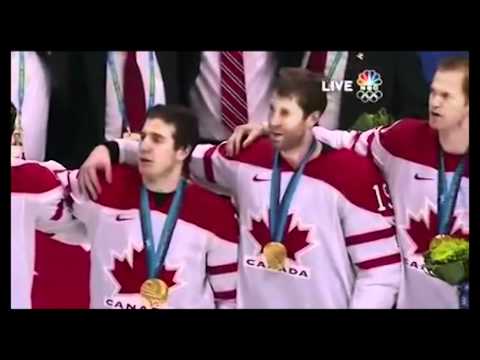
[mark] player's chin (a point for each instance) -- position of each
(278, 141)
(435, 123)
(145, 167)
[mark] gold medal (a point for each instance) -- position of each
(155, 291)
(132, 136)
(275, 253)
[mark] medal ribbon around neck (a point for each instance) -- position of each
(279, 210)
(447, 195)
(156, 258)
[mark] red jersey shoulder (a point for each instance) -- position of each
(415, 141)
(259, 153)
(32, 178)
(412, 140)
(211, 212)
(124, 191)
(353, 175)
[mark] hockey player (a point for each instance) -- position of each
(158, 240)
(37, 203)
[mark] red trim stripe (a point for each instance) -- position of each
(68, 194)
(222, 269)
(386, 260)
(69, 185)
(58, 212)
(357, 136)
(225, 295)
(208, 165)
(371, 236)
(369, 147)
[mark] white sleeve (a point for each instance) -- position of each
(222, 271)
(337, 139)
(210, 167)
(79, 204)
(374, 251)
(370, 237)
(366, 143)
(52, 213)
(128, 151)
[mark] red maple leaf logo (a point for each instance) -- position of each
(422, 232)
(294, 241)
(131, 278)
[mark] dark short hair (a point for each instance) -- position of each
(458, 63)
(182, 118)
(305, 85)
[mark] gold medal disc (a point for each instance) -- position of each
(275, 253)
(155, 291)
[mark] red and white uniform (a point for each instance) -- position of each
(407, 152)
(37, 202)
(342, 252)
(200, 267)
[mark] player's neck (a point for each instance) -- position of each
(455, 140)
(165, 184)
(295, 156)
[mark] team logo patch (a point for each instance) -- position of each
(130, 278)
(295, 241)
(421, 229)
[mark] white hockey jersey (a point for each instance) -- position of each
(408, 154)
(200, 267)
(342, 251)
(37, 202)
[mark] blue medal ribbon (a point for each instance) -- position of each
(335, 62)
(278, 212)
(118, 90)
(155, 259)
(447, 195)
(21, 82)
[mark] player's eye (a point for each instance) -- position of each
(157, 139)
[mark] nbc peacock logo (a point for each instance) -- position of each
(369, 82)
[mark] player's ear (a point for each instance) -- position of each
(313, 118)
(183, 153)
